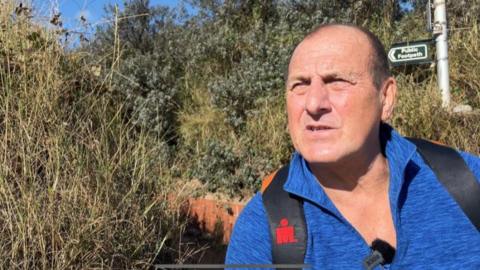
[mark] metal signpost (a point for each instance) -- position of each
(440, 33)
(418, 52)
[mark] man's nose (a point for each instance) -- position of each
(317, 101)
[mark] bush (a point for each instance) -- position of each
(79, 186)
(255, 80)
(145, 67)
(241, 51)
(95, 140)
(229, 59)
(150, 93)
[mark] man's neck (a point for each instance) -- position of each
(368, 176)
(361, 196)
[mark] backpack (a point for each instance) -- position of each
(285, 210)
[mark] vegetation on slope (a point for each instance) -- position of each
(93, 141)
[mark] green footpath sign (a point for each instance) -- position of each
(415, 52)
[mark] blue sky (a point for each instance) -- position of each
(91, 10)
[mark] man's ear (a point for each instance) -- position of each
(389, 93)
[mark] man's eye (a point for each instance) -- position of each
(335, 80)
(299, 84)
(338, 82)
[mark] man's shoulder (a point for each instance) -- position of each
(473, 162)
(253, 209)
(250, 241)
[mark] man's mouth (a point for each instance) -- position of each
(317, 128)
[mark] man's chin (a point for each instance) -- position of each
(321, 159)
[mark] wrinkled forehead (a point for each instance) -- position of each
(331, 48)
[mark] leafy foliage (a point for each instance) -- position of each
(242, 49)
(145, 70)
(109, 131)
(221, 70)
(79, 186)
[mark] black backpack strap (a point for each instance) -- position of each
(287, 221)
(454, 174)
(281, 206)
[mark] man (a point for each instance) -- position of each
(358, 178)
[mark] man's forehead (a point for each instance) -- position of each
(336, 31)
(331, 48)
(332, 72)
(334, 38)
(314, 61)
(323, 54)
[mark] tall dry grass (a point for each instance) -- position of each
(79, 186)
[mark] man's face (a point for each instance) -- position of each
(334, 109)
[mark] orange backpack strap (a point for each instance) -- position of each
(437, 142)
(267, 180)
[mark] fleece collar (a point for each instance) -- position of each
(398, 150)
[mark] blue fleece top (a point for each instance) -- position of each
(432, 230)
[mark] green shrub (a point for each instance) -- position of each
(95, 140)
(80, 187)
(146, 67)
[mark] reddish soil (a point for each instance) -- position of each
(215, 217)
(211, 219)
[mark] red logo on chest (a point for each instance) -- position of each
(285, 234)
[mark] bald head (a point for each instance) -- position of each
(379, 68)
